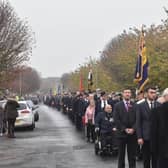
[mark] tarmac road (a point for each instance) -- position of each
(54, 143)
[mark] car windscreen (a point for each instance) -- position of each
(30, 103)
(22, 106)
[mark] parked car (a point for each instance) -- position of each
(25, 116)
(34, 108)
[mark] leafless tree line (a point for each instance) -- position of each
(16, 40)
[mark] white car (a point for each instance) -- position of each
(34, 108)
(25, 116)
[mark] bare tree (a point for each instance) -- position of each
(16, 40)
(27, 80)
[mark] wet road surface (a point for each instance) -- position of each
(54, 143)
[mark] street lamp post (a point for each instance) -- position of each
(100, 52)
(20, 84)
(96, 76)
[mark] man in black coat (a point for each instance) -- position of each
(111, 100)
(159, 132)
(143, 126)
(82, 105)
(101, 103)
(125, 119)
(139, 99)
(76, 110)
(65, 100)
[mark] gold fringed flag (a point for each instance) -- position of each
(141, 72)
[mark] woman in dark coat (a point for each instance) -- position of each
(11, 115)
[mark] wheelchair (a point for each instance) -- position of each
(106, 144)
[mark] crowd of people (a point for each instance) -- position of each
(138, 125)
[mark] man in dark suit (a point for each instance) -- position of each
(101, 103)
(125, 119)
(139, 99)
(143, 126)
(159, 133)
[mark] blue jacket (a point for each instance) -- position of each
(105, 122)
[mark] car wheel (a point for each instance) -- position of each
(36, 117)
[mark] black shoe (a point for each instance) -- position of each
(88, 140)
(139, 158)
(92, 141)
(12, 136)
(9, 136)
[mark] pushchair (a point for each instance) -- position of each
(105, 144)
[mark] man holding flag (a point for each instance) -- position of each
(145, 108)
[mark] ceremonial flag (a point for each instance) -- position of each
(141, 71)
(90, 80)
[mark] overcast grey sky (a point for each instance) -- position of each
(69, 31)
